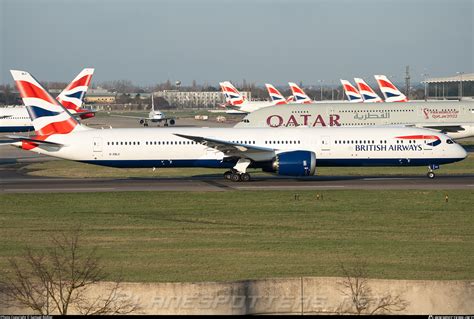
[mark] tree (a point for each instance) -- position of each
(360, 300)
(60, 279)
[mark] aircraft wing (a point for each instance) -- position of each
(132, 117)
(226, 147)
(19, 138)
(445, 128)
(145, 118)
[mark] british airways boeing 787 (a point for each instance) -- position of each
(284, 151)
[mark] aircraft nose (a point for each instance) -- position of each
(461, 152)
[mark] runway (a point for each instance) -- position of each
(11, 181)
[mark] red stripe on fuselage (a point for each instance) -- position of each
(419, 137)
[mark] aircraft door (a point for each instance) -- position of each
(97, 144)
(325, 143)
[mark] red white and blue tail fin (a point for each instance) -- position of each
(299, 95)
(232, 95)
(73, 95)
(48, 116)
(275, 95)
(389, 91)
(366, 91)
(351, 92)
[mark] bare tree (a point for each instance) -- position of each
(60, 278)
(359, 297)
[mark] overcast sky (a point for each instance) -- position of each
(214, 40)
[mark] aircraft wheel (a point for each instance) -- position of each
(235, 177)
(145, 125)
(227, 175)
(245, 177)
(431, 175)
(166, 124)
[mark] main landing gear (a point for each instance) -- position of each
(238, 172)
(237, 176)
(431, 168)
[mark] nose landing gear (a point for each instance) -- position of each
(431, 168)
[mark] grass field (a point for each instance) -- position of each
(220, 236)
(72, 169)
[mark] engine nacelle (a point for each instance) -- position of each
(296, 163)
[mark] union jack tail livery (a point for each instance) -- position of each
(275, 95)
(47, 115)
(232, 95)
(366, 91)
(389, 91)
(298, 94)
(72, 96)
(351, 92)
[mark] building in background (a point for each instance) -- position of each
(182, 99)
(450, 87)
(100, 96)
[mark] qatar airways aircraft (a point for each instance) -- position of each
(287, 152)
(16, 119)
(455, 118)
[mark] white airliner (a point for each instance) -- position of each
(16, 119)
(155, 116)
(238, 103)
(276, 96)
(353, 95)
(455, 118)
(287, 152)
(389, 90)
(299, 96)
(368, 94)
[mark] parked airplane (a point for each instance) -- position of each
(389, 91)
(286, 152)
(275, 95)
(351, 92)
(16, 119)
(454, 118)
(155, 116)
(238, 103)
(368, 94)
(299, 96)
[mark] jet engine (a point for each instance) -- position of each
(296, 163)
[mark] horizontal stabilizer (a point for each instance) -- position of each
(33, 140)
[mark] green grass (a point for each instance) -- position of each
(73, 169)
(234, 235)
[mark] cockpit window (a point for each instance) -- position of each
(449, 141)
